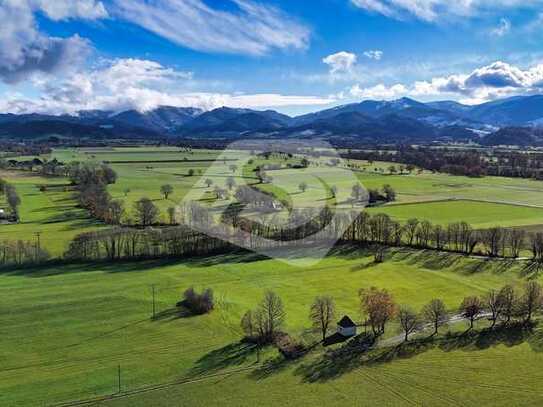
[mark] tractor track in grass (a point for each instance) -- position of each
(411, 383)
(142, 390)
(387, 388)
(463, 383)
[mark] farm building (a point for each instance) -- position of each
(346, 327)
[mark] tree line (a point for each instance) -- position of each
(468, 162)
(12, 198)
(19, 252)
(308, 224)
(378, 309)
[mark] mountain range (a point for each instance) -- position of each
(513, 120)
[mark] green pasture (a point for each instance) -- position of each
(478, 214)
(67, 328)
(52, 213)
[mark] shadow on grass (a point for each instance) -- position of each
(232, 355)
(174, 313)
(358, 353)
(532, 270)
(59, 267)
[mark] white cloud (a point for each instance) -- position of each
(374, 54)
(66, 9)
(502, 29)
(379, 91)
(137, 84)
(24, 50)
(490, 82)
(486, 83)
(432, 10)
(250, 28)
(340, 62)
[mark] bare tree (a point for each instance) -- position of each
(248, 324)
(516, 241)
(171, 215)
(233, 168)
(508, 299)
(333, 191)
(531, 300)
(302, 187)
(408, 320)
(146, 211)
(493, 302)
(410, 229)
(273, 314)
(115, 212)
(166, 190)
(471, 308)
(435, 313)
(322, 314)
(230, 183)
(208, 182)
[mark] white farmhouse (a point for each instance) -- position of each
(346, 327)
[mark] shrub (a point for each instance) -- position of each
(197, 303)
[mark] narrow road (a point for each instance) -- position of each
(454, 319)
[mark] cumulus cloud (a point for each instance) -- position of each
(502, 29)
(249, 28)
(432, 10)
(374, 54)
(24, 50)
(340, 62)
(489, 82)
(143, 85)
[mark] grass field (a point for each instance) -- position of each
(67, 328)
(478, 214)
(52, 213)
(503, 201)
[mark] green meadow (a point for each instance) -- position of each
(483, 202)
(66, 329)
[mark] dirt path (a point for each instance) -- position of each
(454, 319)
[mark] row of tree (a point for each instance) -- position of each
(132, 243)
(19, 252)
(307, 224)
(12, 198)
(378, 308)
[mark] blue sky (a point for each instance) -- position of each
(60, 56)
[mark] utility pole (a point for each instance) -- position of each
(38, 244)
(119, 377)
(38, 234)
(154, 306)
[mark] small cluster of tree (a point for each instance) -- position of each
(198, 303)
(372, 196)
(91, 181)
(20, 253)
(12, 198)
(263, 324)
